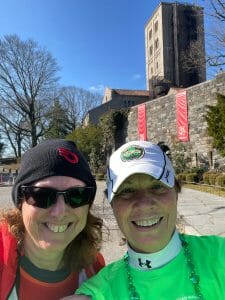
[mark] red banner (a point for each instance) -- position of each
(182, 116)
(142, 128)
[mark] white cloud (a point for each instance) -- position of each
(97, 88)
(136, 76)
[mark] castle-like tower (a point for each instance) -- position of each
(175, 46)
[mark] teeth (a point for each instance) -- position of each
(146, 223)
(57, 228)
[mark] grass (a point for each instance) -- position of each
(215, 190)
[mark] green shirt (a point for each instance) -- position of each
(170, 282)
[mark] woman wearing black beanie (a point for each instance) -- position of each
(49, 243)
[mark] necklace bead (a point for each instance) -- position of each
(194, 278)
(132, 290)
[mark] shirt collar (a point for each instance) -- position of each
(149, 261)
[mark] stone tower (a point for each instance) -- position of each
(175, 47)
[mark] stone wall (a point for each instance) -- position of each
(117, 102)
(161, 120)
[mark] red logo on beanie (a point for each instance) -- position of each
(68, 155)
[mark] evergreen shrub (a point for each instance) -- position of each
(212, 178)
(181, 177)
(220, 180)
(205, 177)
(100, 176)
(192, 177)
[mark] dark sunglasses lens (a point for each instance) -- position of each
(45, 197)
(39, 197)
(79, 196)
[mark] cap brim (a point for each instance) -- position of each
(140, 168)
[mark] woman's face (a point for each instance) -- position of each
(146, 212)
(52, 229)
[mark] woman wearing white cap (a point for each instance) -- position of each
(160, 263)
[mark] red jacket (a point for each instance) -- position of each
(9, 260)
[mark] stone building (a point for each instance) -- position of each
(170, 31)
(173, 34)
(116, 99)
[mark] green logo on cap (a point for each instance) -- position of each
(132, 152)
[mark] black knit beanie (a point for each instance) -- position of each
(55, 157)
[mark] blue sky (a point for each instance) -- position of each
(96, 43)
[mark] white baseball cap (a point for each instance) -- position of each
(140, 157)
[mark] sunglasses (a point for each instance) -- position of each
(44, 197)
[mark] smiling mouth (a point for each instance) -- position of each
(147, 222)
(57, 228)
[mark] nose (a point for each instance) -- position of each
(59, 208)
(145, 198)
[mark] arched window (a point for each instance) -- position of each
(156, 26)
(157, 43)
(150, 50)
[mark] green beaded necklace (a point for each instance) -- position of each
(194, 278)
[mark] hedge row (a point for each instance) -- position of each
(210, 178)
(100, 176)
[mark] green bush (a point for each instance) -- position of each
(220, 180)
(212, 178)
(181, 177)
(192, 177)
(199, 171)
(215, 117)
(205, 177)
(99, 176)
(209, 177)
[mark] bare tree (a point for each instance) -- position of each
(13, 133)
(216, 48)
(2, 146)
(78, 102)
(191, 58)
(214, 12)
(27, 78)
(215, 33)
(218, 9)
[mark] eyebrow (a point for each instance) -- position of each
(148, 185)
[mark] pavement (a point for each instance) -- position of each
(199, 213)
(203, 213)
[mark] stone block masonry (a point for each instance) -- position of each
(161, 120)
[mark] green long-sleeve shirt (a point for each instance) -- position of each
(170, 282)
